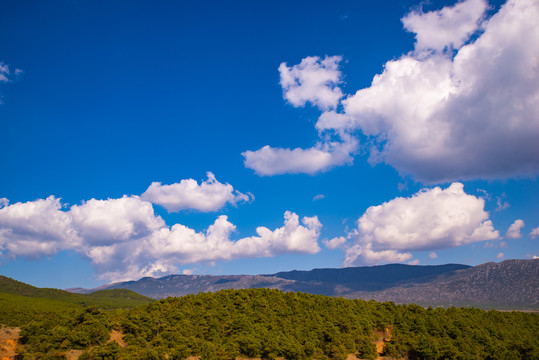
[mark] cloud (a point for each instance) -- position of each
(35, 228)
(500, 255)
(318, 197)
(448, 28)
(335, 243)
(7, 76)
(106, 222)
(429, 220)
(433, 255)
(210, 195)
(514, 230)
(159, 253)
(313, 80)
(125, 240)
(463, 104)
(4, 72)
(269, 161)
(534, 233)
(414, 262)
(444, 115)
(501, 205)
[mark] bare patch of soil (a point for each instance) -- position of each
(74, 354)
(9, 338)
(118, 336)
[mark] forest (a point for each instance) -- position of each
(267, 324)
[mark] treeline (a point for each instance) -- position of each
(269, 324)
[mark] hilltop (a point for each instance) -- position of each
(105, 299)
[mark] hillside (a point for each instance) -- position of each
(105, 299)
(511, 284)
(270, 324)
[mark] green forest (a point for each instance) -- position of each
(262, 323)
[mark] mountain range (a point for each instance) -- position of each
(511, 284)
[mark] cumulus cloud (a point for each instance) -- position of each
(433, 255)
(500, 255)
(210, 195)
(335, 243)
(35, 228)
(322, 157)
(105, 222)
(313, 80)
(429, 220)
(124, 239)
(534, 233)
(463, 104)
(448, 28)
(514, 230)
(444, 115)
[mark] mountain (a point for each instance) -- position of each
(511, 284)
(333, 282)
(106, 298)
(180, 285)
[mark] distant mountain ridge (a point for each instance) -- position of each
(511, 284)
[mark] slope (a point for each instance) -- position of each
(105, 299)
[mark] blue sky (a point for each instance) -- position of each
(142, 139)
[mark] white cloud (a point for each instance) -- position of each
(105, 222)
(448, 28)
(514, 230)
(35, 228)
(314, 80)
(414, 262)
(124, 239)
(429, 220)
(500, 255)
(335, 243)
(210, 195)
(325, 155)
(463, 104)
(318, 197)
(441, 117)
(433, 255)
(534, 233)
(164, 249)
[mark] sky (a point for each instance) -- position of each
(144, 138)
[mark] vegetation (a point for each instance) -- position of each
(267, 324)
(104, 299)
